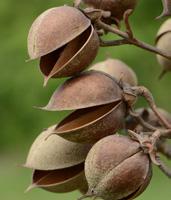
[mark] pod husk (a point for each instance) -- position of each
(59, 181)
(54, 28)
(164, 28)
(73, 58)
(54, 152)
(116, 7)
(85, 90)
(116, 168)
(117, 69)
(91, 124)
(163, 43)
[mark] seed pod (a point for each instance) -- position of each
(60, 180)
(84, 91)
(148, 115)
(54, 152)
(91, 124)
(54, 28)
(116, 7)
(73, 58)
(66, 54)
(116, 168)
(117, 69)
(163, 42)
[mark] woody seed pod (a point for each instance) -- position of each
(116, 7)
(163, 40)
(62, 38)
(86, 90)
(117, 69)
(54, 152)
(60, 180)
(91, 124)
(148, 115)
(116, 168)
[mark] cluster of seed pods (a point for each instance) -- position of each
(84, 151)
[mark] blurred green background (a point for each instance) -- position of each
(21, 89)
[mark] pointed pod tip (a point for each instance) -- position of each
(32, 186)
(46, 79)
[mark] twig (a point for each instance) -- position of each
(113, 42)
(164, 148)
(141, 120)
(143, 91)
(163, 167)
(131, 40)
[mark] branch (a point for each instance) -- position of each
(131, 40)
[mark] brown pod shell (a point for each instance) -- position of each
(54, 28)
(91, 124)
(116, 168)
(117, 69)
(148, 115)
(85, 90)
(164, 28)
(59, 181)
(116, 7)
(73, 58)
(54, 152)
(163, 43)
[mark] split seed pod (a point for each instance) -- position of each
(163, 41)
(148, 115)
(116, 7)
(117, 69)
(62, 38)
(116, 168)
(97, 99)
(58, 165)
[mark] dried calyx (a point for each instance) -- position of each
(116, 7)
(117, 168)
(163, 42)
(66, 54)
(58, 165)
(117, 69)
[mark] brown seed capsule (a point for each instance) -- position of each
(163, 42)
(62, 38)
(60, 180)
(54, 28)
(91, 124)
(148, 115)
(72, 58)
(116, 168)
(117, 69)
(86, 90)
(54, 152)
(116, 7)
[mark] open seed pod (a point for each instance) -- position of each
(54, 152)
(163, 40)
(148, 115)
(117, 69)
(91, 124)
(72, 58)
(54, 28)
(116, 7)
(60, 180)
(116, 168)
(86, 90)
(62, 38)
